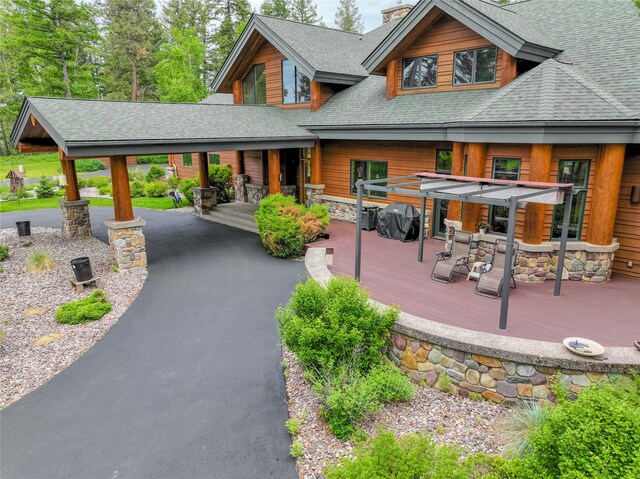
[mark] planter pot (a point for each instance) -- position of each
(24, 228)
(82, 269)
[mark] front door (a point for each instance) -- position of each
(440, 207)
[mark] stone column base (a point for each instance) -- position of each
(127, 243)
(76, 222)
(256, 193)
(241, 190)
(204, 200)
(314, 194)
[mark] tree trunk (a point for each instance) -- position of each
(63, 64)
(6, 150)
(134, 81)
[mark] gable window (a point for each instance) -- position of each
(475, 66)
(503, 169)
(368, 170)
(295, 86)
(186, 159)
(254, 86)
(576, 172)
(419, 72)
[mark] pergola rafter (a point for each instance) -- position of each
(505, 193)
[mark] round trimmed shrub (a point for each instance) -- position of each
(98, 181)
(86, 166)
(186, 188)
(156, 189)
(105, 190)
(136, 189)
(154, 174)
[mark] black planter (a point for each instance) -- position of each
(24, 228)
(82, 269)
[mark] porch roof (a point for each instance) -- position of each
(106, 128)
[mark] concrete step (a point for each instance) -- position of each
(229, 218)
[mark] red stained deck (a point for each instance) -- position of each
(608, 313)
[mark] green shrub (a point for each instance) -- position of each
(22, 193)
(597, 435)
(105, 190)
(136, 189)
(285, 226)
(136, 174)
(82, 182)
(98, 181)
(8, 196)
(156, 189)
(4, 252)
(40, 261)
(520, 425)
(296, 450)
(154, 173)
(173, 181)
(86, 166)
(415, 456)
(45, 188)
(153, 159)
(186, 186)
(292, 425)
(60, 192)
(220, 175)
(324, 326)
(91, 308)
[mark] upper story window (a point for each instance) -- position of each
(295, 86)
(475, 66)
(421, 72)
(254, 86)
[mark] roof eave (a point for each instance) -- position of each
(26, 110)
(339, 78)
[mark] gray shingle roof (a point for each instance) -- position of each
(219, 99)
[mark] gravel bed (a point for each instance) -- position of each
(473, 425)
(36, 347)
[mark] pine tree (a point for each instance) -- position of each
(233, 16)
(305, 11)
(275, 8)
(348, 17)
(132, 36)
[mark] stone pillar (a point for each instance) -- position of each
(471, 212)
(76, 222)
(204, 200)
(535, 213)
(314, 194)
(241, 189)
(127, 243)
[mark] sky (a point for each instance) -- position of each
(369, 9)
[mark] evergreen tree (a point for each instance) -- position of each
(132, 36)
(178, 72)
(275, 8)
(233, 16)
(305, 11)
(348, 17)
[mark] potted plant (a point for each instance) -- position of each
(484, 228)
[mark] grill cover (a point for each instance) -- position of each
(400, 222)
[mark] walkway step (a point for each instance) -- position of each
(243, 222)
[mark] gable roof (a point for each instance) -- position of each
(322, 54)
(504, 28)
(104, 128)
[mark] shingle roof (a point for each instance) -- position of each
(219, 99)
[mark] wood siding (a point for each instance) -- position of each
(254, 167)
(226, 158)
(444, 38)
(627, 228)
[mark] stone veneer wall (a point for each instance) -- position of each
(204, 200)
(240, 184)
(76, 222)
(256, 193)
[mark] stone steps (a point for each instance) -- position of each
(230, 217)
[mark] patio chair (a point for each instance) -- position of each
(449, 263)
(490, 281)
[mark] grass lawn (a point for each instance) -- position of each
(36, 165)
(43, 203)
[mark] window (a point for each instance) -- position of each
(503, 169)
(576, 172)
(295, 86)
(186, 159)
(368, 170)
(443, 161)
(214, 159)
(475, 66)
(419, 72)
(254, 86)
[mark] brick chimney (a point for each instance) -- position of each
(399, 11)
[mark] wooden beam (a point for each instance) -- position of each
(33, 120)
(203, 165)
(237, 92)
(316, 164)
(457, 168)
(122, 206)
(392, 79)
(476, 157)
(24, 147)
(509, 69)
(274, 171)
(72, 191)
(316, 95)
(606, 189)
(534, 214)
(240, 162)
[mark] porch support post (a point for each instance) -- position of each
(534, 213)
(122, 207)
(316, 164)
(360, 190)
(203, 165)
(423, 207)
(457, 169)
(274, 172)
(72, 192)
(566, 219)
(476, 156)
(76, 220)
(204, 198)
(508, 262)
(606, 189)
(236, 88)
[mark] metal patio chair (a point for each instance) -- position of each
(490, 281)
(449, 263)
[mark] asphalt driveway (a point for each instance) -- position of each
(187, 384)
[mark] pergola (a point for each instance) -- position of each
(509, 194)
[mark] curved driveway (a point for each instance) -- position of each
(187, 384)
